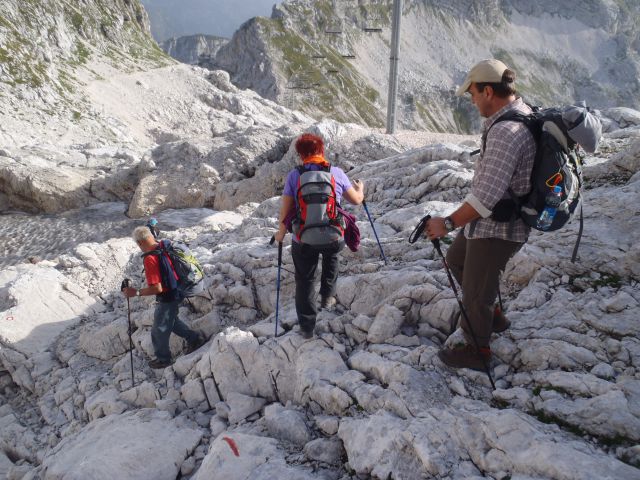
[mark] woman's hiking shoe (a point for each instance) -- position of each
(500, 322)
(157, 363)
(306, 334)
(465, 356)
(327, 302)
(195, 345)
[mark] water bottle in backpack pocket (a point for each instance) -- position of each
(552, 203)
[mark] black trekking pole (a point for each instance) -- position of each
(417, 232)
(126, 283)
(364, 204)
(273, 239)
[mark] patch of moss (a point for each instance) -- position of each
(82, 53)
(608, 280)
(77, 20)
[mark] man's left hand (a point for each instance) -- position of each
(435, 228)
(129, 292)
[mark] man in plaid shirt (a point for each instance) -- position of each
(481, 250)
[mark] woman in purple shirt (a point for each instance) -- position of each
(305, 256)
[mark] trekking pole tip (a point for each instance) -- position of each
(273, 239)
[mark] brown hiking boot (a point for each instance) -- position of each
(500, 322)
(466, 356)
(157, 363)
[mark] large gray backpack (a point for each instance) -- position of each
(318, 221)
(558, 132)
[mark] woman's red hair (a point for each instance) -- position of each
(309, 145)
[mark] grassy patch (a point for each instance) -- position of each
(608, 280)
(499, 404)
(77, 20)
(430, 120)
(82, 53)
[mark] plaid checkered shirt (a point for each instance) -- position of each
(506, 162)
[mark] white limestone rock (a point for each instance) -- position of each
(194, 395)
(287, 424)
(385, 325)
(145, 444)
(604, 371)
(16, 439)
(540, 354)
(623, 116)
(327, 424)
(242, 406)
(327, 450)
(108, 342)
(144, 395)
(42, 302)
(609, 415)
(103, 403)
(222, 462)
(497, 441)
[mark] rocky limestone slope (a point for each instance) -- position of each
(368, 397)
(317, 56)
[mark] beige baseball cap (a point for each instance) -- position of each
(489, 71)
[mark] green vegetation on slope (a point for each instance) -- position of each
(97, 26)
(344, 86)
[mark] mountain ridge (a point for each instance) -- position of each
(591, 54)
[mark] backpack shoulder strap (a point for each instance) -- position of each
(151, 252)
(529, 120)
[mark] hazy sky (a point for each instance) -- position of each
(175, 18)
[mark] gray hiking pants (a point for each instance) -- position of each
(165, 321)
(305, 261)
(476, 265)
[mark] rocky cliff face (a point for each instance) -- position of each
(194, 49)
(327, 58)
(49, 50)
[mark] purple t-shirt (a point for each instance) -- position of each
(342, 181)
